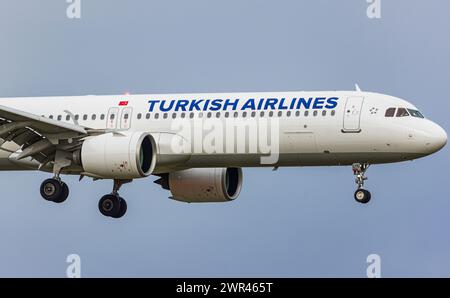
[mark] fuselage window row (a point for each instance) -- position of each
(391, 112)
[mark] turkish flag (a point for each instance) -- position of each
(123, 103)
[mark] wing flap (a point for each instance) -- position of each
(29, 132)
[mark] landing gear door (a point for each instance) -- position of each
(125, 119)
(111, 120)
(352, 114)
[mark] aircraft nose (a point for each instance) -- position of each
(437, 138)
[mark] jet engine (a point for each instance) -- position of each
(203, 185)
(118, 155)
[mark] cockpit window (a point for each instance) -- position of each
(415, 113)
(402, 112)
(390, 112)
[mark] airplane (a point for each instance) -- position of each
(197, 144)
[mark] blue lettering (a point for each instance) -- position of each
(249, 104)
(205, 106)
(181, 105)
(166, 109)
(195, 105)
(318, 103)
(152, 104)
(271, 102)
(216, 104)
(229, 103)
(260, 103)
(292, 103)
(281, 106)
(304, 102)
(332, 102)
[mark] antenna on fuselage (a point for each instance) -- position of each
(357, 88)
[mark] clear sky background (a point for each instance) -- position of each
(297, 222)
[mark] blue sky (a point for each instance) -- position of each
(290, 223)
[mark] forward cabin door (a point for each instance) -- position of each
(352, 114)
(111, 120)
(125, 119)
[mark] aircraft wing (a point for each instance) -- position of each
(38, 136)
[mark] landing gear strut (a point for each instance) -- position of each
(112, 204)
(54, 189)
(361, 195)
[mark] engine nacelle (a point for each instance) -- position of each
(119, 155)
(203, 185)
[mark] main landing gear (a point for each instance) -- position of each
(112, 204)
(361, 195)
(54, 190)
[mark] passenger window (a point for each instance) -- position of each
(147, 116)
(244, 114)
(280, 113)
(102, 117)
(390, 112)
(324, 112)
(84, 117)
(218, 115)
(270, 113)
(139, 116)
(306, 113)
(333, 112)
(236, 114)
(94, 116)
(165, 115)
(183, 115)
(174, 115)
(59, 117)
(51, 116)
(401, 112)
(227, 114)
(261, 114)
(67, 117)
(288, 113)
(253, 114)
(208, 115)
(191, 115)
(200, 115)
(78, 117)
(111, 117)
(156, 115)
(297, 113)
(315, 113)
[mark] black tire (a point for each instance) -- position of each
(362, 196)
(123, 208)
(109, 205)
(51, 189)
(64, 193)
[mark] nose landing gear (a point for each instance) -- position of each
(362, 195)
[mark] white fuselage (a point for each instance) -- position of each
(312, 128)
